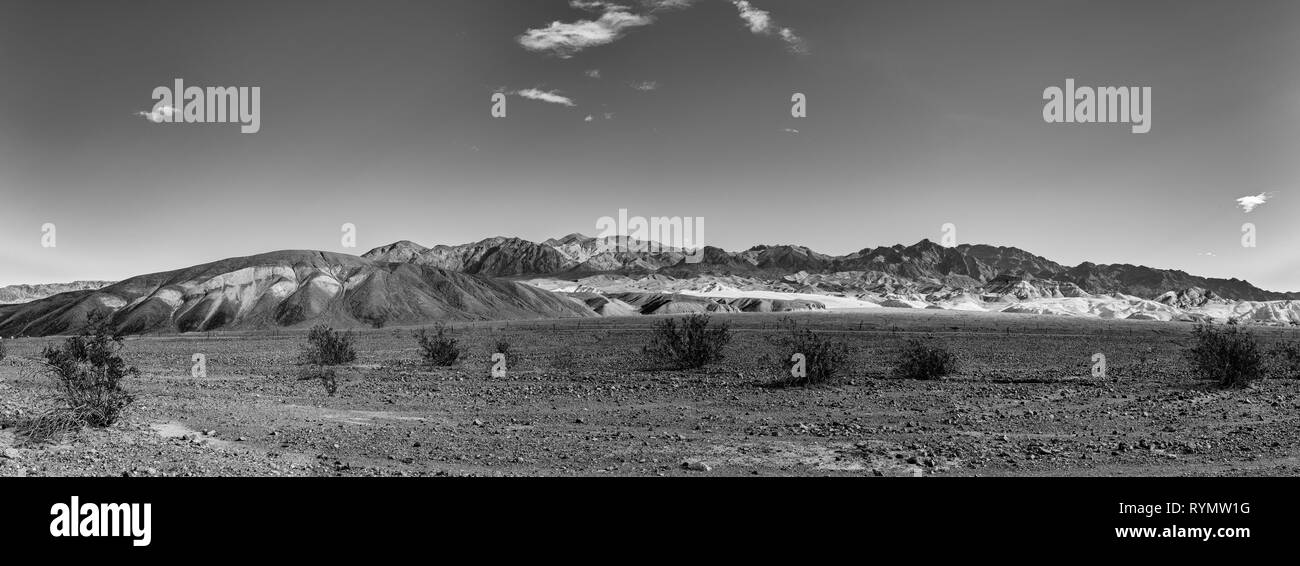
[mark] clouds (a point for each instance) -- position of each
(657, 5)
(158, 114)
(645, 86)
(565, 39)
(1248, 203)
(760, 22)
(552, 96)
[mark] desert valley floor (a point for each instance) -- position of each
(577, 401)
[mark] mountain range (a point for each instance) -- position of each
(26, 293)
(286, 289)
(577, 275)
(919, 268)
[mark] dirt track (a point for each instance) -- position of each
(576, 402)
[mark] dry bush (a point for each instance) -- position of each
(88, 372)
(329, 347)
(438, 349)
(1229, 355)
(691, 345)
(501, 346)
(825, 360)
(925, 358)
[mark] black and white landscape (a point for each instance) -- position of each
(830, 238)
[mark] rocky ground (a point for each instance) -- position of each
(577, 399)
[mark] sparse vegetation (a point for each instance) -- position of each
(925, 358)
(501, 346)
(88, 371)
(825, 360)
(329, 347)
(1227, 354)
(438, 349)
(1284, 360)
(692, 344)
(326, 376)
(3, 353)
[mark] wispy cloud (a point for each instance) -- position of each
(552, 96)
(1249, 203)
(657, 5)
(645, 86)
(593, 73)
(760, 22)
(790, 130)
(158, 114)
(564, 39)
(588, 118)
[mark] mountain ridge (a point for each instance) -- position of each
(287, 288)
(925, 265)
(580, 276)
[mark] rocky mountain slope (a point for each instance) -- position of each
(13, 294)
(288, 288)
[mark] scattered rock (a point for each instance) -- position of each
(697, 466)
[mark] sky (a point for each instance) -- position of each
(379, 114)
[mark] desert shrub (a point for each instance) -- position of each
(1284, 360)
(88, 372)
(501, 346)
(328, 379)
(329, 347)
(1227, 354)
(925, 358)
(438, 349)
(692, 344)
(825, 360)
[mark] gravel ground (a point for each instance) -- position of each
(577, 400)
